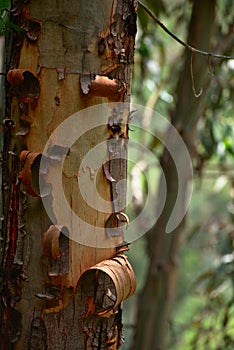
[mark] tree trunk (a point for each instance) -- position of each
(157, 297)
(71, 55)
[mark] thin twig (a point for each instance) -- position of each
(210, 67)
(189, 47)
(196, 94)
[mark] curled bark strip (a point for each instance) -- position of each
(8, 124)
(104, 87)
(55, 245)
(24, 83)
(15, 76)
(50, 242)
(29, 175)
(122, 217)
(122, 247)
(24, 129)
(122, 277)
(46, 297)
(114, 222)
(106, 168)
(32, 29)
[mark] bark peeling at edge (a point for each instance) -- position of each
(48, 313)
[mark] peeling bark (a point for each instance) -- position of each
(53, 307)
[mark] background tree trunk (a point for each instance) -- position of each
(71, 55)
(157, 297)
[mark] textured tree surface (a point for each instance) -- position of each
(71, 55)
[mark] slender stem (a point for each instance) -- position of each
(189, 47)
(196, 94)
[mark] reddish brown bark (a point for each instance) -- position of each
(69, 57)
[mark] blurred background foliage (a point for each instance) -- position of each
(203, 313)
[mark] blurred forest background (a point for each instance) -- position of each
(185, 279)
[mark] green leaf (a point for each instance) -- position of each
(5, 23)
(5, 5)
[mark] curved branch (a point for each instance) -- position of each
(189, 47)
